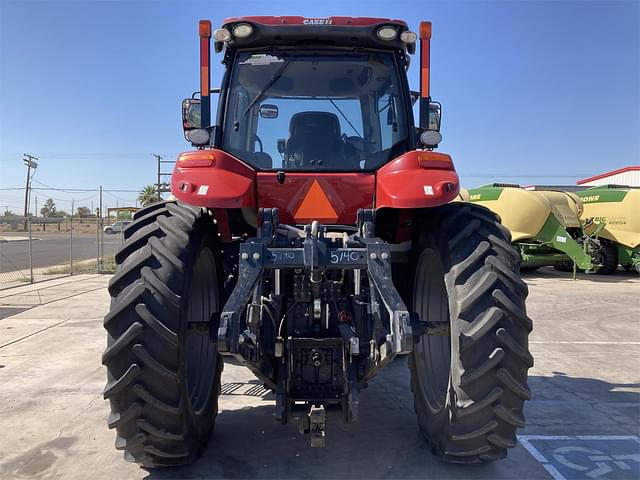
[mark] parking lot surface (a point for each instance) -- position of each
(583, 421)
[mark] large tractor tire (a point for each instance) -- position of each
(163, 367)
(529, 269)
(609, 256)
(564, 265)
(469, 388)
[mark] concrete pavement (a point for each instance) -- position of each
(586, 387)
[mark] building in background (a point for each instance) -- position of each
(623, 176)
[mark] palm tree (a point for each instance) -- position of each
(148, 195)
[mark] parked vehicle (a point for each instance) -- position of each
(116, 227)
(313, 241)
(545, 226)
(615, 209)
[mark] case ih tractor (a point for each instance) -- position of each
(312, 240)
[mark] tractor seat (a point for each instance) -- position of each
(315, 140)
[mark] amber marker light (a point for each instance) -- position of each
(199, 158)
(435, 160)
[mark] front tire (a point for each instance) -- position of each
(163, 367)
(469, 389)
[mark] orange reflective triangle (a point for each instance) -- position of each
(316, 205)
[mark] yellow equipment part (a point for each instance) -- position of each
(463, 196)
(622, 216)
(524, 212)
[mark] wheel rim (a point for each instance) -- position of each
(433, 352)
(201, 348)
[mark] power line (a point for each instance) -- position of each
(81, 155)
(72, 190)
(515, 175)
(117, 197)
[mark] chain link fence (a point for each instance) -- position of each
(42, 249)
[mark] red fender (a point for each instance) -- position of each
(213, 179)
(417, 179)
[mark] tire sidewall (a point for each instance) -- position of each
(198, 426)
(433, 421)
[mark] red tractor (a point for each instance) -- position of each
(313, 241)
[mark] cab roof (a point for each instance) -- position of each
(297, 31)
(298, 20)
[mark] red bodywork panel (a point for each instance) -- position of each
(332, 198)
(217, 180)
(416, 179)
(297, 20)
(227, 183)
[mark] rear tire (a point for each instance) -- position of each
(163, 367)
(564, 266)
(529, 269)
(609, 256)
(469, 389)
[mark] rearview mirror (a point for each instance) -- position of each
(268, 111)
(190, 115)
(435, 113)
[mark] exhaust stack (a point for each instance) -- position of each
(204, 29)
(425, 96)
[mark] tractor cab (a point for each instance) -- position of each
(316, 110)
(310, 94)
(303, 99)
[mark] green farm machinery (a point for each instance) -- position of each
(545, 225)
(614, 211)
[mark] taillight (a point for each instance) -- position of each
(435, 160)
(198, 158)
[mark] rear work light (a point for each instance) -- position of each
(222, 35)
(409, 37)
(198, 158)
(435, 160)
(387, 33)
(242, 30)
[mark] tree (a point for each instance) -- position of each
(148, 195)
(9, 213)
(83, 212)
(49, 209)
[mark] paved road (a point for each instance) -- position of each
(583, 421)
(51, 249)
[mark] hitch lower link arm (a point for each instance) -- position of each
(315, 255)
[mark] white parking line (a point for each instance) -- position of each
(598, 463)
(553, 471)
(560, 342)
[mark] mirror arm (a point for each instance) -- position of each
(213, 90)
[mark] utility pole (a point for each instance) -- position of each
(101, 242)
(30, 162)
(159, 159)
(162, 186)
(71, 240)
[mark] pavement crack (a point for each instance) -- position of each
(75, 417)
(24, 337)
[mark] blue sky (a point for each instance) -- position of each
(532, 92)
